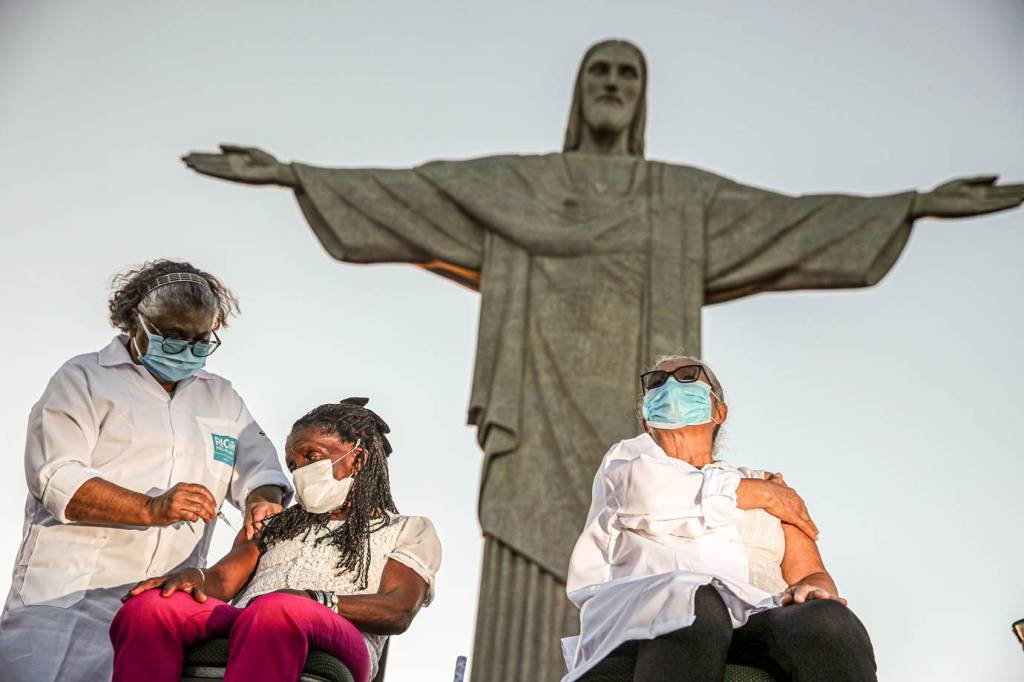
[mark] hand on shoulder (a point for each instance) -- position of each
(777, 498)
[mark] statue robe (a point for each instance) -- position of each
(589, 267)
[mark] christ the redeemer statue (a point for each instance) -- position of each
(589, 262)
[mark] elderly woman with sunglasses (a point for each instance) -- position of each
(130, 453)
(689, 562)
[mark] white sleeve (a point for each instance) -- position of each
(658, 497)
(256, 463)
(62, 431)
(588, 565)
(718, 498)
(418, 548)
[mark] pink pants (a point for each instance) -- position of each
(268, 640)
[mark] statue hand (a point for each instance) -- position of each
(967, 197)
(242, 164)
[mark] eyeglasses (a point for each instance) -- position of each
(687, 374)
(200, 349)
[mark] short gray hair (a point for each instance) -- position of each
(716, 385)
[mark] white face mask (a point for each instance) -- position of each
(317, 488)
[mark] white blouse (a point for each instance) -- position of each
(294, 564)
(659, 529)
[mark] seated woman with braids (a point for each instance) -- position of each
(338, 573)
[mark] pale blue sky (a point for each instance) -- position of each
(894, 410)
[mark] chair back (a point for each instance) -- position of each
(379, 677)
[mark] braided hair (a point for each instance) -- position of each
(369, 504)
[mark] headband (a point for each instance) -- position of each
(175, 278)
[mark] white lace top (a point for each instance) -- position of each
(298, 565)
(762, 535)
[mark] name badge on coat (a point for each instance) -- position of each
(224, 448)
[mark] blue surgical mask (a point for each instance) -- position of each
(674, 405)
(165, 366)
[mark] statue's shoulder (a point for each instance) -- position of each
(494, 161)
(494, 164)
(681, 173)
(506, 170)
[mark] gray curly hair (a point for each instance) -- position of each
(134, 291)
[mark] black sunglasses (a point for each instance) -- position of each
(687, 374)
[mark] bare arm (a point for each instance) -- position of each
(226, 578)
(804, 571)
(100, 501)
(389, 612)
(223, 580)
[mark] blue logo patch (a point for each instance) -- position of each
(224, 448)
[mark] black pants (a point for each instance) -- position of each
(817, 640)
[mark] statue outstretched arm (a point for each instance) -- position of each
(248, 165)
(760, 241)
(965, 197)
(367, 215)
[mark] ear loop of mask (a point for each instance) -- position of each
(144, 326)
(354, 448)
(135, 344)
(720, 402)
(353, 474)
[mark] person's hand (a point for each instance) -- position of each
(256, 510)
(802, 592)
(964, 197)
(190, 580)
(242, 164)
(183, 502)
(784, 504)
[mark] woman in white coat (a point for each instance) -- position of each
(130, 453)
(686, 563)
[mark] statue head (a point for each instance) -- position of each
(610, 97)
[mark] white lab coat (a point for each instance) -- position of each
(104, 416)
(658, 529)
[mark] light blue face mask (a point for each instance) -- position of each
(674, 405)
(170, 367)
